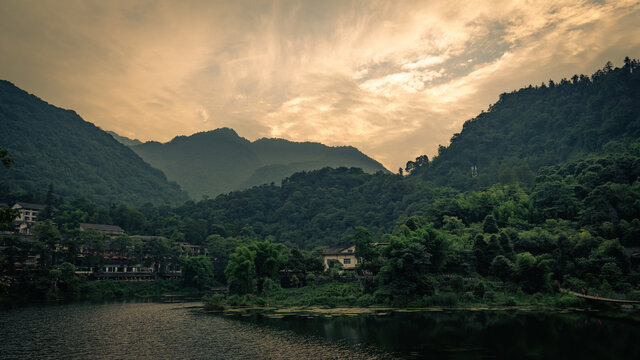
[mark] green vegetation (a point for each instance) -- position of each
(540, 126)
(557, 213)
(220, 161)
(351, 294)
(55, 146)
(197, 271)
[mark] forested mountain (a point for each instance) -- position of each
(566, 225)
(214, 162)
(591, 181)
(597, 189)
(540, 126)
(54, 146)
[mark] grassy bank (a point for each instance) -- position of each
(351, 294)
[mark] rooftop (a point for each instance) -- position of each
(101, 227)
(30, 206)
(336, 251)
(147, 237)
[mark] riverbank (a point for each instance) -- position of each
(351, 294)
(337, 298)
(98, 291)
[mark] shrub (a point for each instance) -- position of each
(478, 290)
(366, 300)
(457, 284)
(510, 302)
(213, 303)
(446, 300)
(490, 295)
(270, 288)
(311, 279)
(569, 301)
(236, 300)
(467, 297)
(260, 301)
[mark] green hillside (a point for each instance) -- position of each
(590, 183)
(220, 161)
(541, 126)
(571, 224)
(54, 146)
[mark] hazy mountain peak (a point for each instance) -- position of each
(220, 160)
(123, 139)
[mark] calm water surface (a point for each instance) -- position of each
(179, 331)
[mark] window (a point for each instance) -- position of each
(349, 251)
(347, 261)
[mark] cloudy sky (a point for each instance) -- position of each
(393, 78)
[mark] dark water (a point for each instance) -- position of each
(152, 331)
(179, 331)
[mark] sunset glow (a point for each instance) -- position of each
(393, 78)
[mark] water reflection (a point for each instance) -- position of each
(180, 331)
(158, 331)
(475, 334)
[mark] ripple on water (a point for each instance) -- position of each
(149, 330)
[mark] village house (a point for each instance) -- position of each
(110, 262)
(124, 271)
(345, 256)
(28, 215)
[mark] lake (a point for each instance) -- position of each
(181, 331)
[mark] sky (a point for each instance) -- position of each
(392, 78)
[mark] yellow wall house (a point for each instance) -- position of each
(28, 216)
(346, 257)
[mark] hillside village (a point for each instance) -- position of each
(106, 251)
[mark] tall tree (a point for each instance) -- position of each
(5, 158)
(197, 271)
(7, 215)
(241, 270)
(269, 257)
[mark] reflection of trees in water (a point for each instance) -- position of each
(507, 334)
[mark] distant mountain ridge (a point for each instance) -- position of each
(123, 139)
(219, 161)
(55, 146)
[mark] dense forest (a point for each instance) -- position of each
(53, 146)
(540, 126)
(545, 213)
(219, 161)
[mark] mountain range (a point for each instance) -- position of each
(568, 150)
(219, 161)
(54, 146)
(524, 131)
